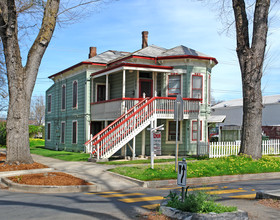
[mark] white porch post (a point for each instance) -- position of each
(123, 85)
(133, 153)
(143, 142)
(107, 88)
(154, 84)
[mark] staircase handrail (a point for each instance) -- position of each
(126, 119)
(116, 121)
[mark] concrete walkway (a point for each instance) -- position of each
(88, 171)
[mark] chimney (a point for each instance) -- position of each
(144, 39)
(92, 52)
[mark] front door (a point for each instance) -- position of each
(95, 127)
(146, 86)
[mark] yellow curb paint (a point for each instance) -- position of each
(203, 188)
(142, 199)
(240, 188)
(247, 196)
(122, 195)
(225, 187)
(226, 191)
(153, 206)
(253, 190)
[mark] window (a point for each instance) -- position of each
(49, 106)
(172, 131)
(75, 94)
(63, 97)
(197, 86)
(62, 132)
(74, 132)
(48, 131)
(174, 85)
(194, 130)
(101, 92)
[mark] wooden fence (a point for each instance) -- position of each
(222, 149)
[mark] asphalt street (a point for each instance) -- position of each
(127, 204)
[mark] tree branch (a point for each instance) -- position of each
(76, 6)
(41, 42)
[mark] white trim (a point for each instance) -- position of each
(123, 83)
(73, 93)
(76, 132)
(62, 122)
(180, 141)
(49, 123)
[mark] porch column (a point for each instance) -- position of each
(133, 153)
(123, 85)
(107, 88)
(143, 143)
(154, 84)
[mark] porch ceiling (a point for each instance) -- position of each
(132, 66)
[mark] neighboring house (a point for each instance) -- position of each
(230, 129)
(87, 97)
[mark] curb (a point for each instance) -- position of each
(23, 172)
(177, 214)
(200, 180)
(48, 189)
(271, 194)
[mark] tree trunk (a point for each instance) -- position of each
(21, 80)
(251, 65)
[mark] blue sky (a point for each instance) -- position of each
(117, 25)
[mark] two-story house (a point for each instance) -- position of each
(106, 103)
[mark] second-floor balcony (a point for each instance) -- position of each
(163, 107)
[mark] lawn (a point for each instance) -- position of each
(213, 167)
(37, 147)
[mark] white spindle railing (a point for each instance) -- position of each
(222, 149)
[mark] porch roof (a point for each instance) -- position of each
(132, 66)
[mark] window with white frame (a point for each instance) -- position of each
(62, 140)
(174, 85)
(49, 104)
(195, 130)
(171, 131)
(75, 94)
(48, 131)
(74, 132)
(63, 97)
(197, 86)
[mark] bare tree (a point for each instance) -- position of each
(21, 79)
(251, 58)
(38, 110)
(3, 83)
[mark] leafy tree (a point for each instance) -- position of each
(16, 17)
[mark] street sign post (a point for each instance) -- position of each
(178, 116)
(182, 176)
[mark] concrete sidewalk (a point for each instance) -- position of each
(90, 172)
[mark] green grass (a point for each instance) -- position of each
(213, 167)
(116, 162)
(37, 147)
